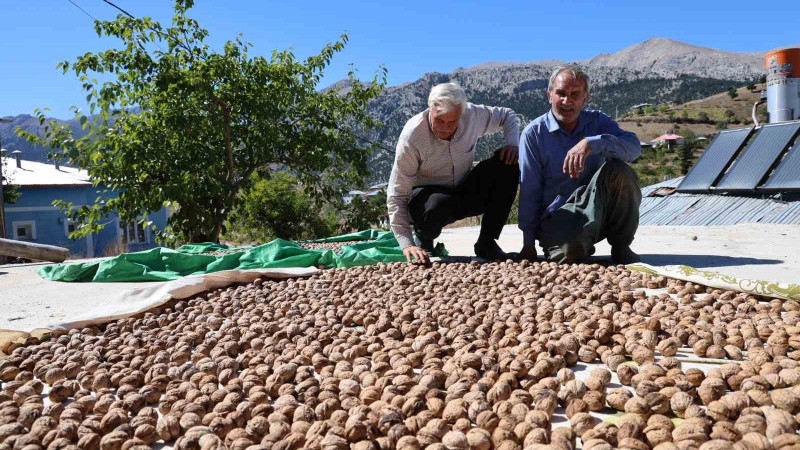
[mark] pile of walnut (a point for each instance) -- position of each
(335, 246)
(454, 356)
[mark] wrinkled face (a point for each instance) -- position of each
(567, 97)
(444, 124)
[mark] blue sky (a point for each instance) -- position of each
(409, 37)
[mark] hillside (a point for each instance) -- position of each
(703, 117)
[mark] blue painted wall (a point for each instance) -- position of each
(35, 204)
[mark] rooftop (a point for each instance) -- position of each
(36, 174)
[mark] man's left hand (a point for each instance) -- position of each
(576, 157)
(509, 154)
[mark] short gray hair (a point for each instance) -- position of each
(574, 70)
(446, 97)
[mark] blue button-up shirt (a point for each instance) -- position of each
(544, 145)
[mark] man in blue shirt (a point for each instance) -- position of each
(576, 188)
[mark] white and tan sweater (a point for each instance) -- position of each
(423, 159)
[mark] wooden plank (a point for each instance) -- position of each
(29, 250)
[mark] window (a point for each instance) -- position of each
(133, 232)
(70, 226)
(24, 230)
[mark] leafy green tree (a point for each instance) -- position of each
(686, 151)
(10, 191)
(649, 110)
(663, 107)
(277, 207)
(732, 92)
(729, 114)
(363, 213)
(182, 125)
(751, 87)
(762, 79)
(703, 116)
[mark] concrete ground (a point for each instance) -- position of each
(765, 252)
(757, 251)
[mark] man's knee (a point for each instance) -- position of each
(619, 175)
(505, 172)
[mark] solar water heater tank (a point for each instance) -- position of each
(783, 84)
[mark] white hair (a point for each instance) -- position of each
(447, 96)
(574, 70)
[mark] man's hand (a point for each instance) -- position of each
(529, 252)
(576, 157)
(416, 255)
(509, 154)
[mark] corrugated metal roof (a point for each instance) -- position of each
(713, 209)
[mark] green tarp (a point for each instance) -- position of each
(163, 264)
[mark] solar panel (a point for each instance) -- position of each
(754, 162)
(714, 160)
(787, 174)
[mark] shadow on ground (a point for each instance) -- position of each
(701, 261)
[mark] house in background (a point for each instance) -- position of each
(34, 218)
(667, 139)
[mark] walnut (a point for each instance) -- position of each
(786, 441)
(711, 389)
(630, 426)
(694, 429)
(659, 429)
(455, 440)
(679, 402)
(168, 427)
(668, 347)
(617, 398)
(625, 372)
(596, 444)
(637, 405)
(719, 411)
(633, 444)
(595, 400)
(785, 399)
(716, 444)
(778, 422)
(756, 441)
(113, 440)
(725, 431)
(582, 422)
(751, 423)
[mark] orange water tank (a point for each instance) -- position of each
(783, 84)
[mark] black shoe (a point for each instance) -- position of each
(425, 244)
(489, 250)
(622, 254)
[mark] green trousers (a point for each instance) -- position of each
(606, 208)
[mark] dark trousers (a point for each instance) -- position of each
(606, 208)
(489, 189)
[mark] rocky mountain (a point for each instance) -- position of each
(654, 71)
(667, 58)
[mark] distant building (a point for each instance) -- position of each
(34, 218)
(638, 109)
(667, 139)
(369, 192)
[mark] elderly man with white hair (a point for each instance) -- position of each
(433, 182)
